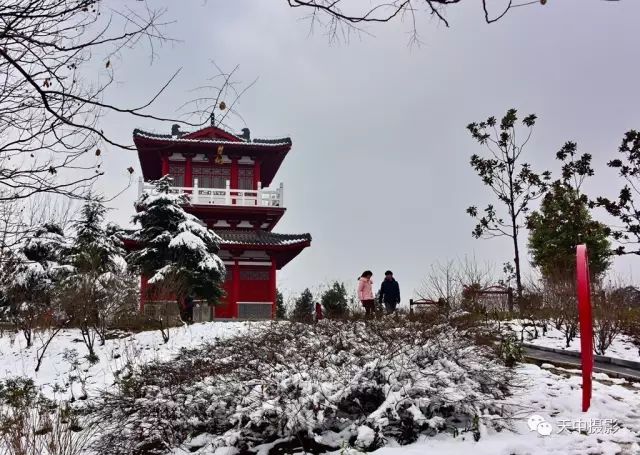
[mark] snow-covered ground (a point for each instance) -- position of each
(622, 346)
(57, 367)
(554, 395)
(611, 426)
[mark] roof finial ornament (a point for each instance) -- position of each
(212, 117)
(175, 130)
(246, 134)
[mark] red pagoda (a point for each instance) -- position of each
(227, 179)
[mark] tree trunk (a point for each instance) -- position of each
(516, 260)
(514, 228)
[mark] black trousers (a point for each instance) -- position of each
(390, 306)
(369, 307)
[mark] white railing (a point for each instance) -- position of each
(226, 196)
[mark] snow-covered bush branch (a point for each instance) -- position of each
(299, 385)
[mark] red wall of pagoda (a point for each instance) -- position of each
(255, 284)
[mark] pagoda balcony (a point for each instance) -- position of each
(227, 196)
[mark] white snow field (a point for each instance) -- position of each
(610, 427)
(16, 360)
(612, 423)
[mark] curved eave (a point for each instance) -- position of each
(283, 254)
(150, 150)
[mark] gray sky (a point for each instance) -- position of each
(379, 172)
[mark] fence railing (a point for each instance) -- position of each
(227, 196)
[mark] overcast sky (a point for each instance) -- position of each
(379, 170)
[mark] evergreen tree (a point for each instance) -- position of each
(281, 311)
(304, 307)
(177, 253)
(97, 272)
(32, 278)
(563, 222)
(335, 301)
(96, 248)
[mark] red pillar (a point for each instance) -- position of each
(272, 281)
(165, 164)
(143, 292)
(234, 179)
(235, 286)
(256, 174)
(188, 172)
(234, 173)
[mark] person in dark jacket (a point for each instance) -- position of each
(389, 292)
(188, 309)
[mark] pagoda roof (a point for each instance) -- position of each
(261, 238)
(283, 247)
(271, 152)
(211, 135)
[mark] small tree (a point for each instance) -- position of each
(513, 183)
(175, 248)
(281, 311)
(564, 221)
(611, 314)
(91, 289)
(625, 207)
(30, 288)
(335, 301)
(303, 307)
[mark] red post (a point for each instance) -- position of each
(319, 315)
(165, 164)
(143, 292)
(586, 322)
(256, 174)
(274, 288)
(235, 286)
(188, 172)
(234, 179)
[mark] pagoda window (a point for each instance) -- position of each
(176, 172)
(254, 274)
(212, 177)
(245, 178)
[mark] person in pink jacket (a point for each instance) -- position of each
(365, 292)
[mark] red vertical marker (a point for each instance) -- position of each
(586, 323)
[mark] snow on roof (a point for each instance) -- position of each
(249, 237)
(226, 237)
(169, 138)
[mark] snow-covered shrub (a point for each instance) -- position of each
(289, 385)
(610, 314)
(29, 287)
(33, 425)
(510, 349)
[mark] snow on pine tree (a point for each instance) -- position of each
(97, 272)
(177, 253)
(34, 275)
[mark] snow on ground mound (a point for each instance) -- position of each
(342, 389)
(610, 427)
(317, 387)
(58, 369)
